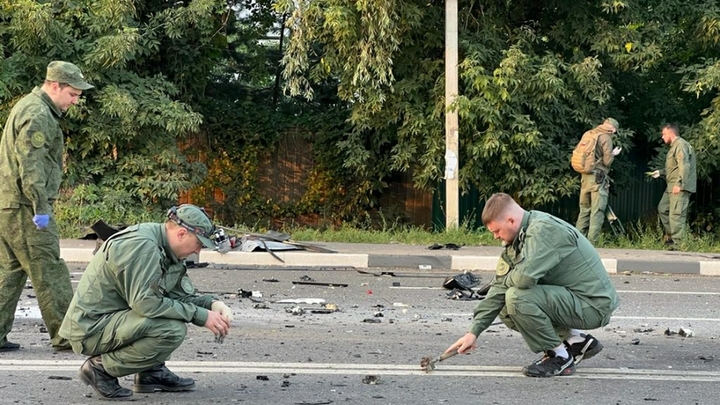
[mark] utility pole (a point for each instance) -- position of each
(452, 164)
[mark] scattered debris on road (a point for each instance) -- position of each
(371, 379)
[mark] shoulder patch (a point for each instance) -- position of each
(502, 268)
(37, 139)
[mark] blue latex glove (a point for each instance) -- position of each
(41, 220)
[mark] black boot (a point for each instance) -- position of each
(159, 378)
(107, 387)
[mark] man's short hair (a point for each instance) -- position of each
(495, 206)
(672, 127)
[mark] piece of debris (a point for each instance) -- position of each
(310, 301)
(261, 305)
(643, 330)
(635, 341)
(378, 314)
(682, 332)
(59, 377)
(270, 280)
(295, 310)
(262, 378)
(306, 278)
(685, 332)
(463, 281)
(371, 320)
(371, 379)
(706, 358)
(285, 384)
(314, 403)
(244, 294)
(320, 284)
(193, 265)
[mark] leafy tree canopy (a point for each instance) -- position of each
(534, 75)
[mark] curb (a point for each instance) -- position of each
(414, 261)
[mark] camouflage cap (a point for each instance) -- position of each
(613, 122)
(197, 221)
(66, 72)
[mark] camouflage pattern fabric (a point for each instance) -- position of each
(31, 151)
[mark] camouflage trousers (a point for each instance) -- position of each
(593, 202)
(130, 343)
(26, 251)
(544, 315)
(672, 210)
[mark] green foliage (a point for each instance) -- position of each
(534, 75)
(144, 60)
(75, 213)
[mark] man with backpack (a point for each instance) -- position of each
(592, 158)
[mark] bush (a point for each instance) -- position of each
(81, 207)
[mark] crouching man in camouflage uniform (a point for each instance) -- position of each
(549, 281)
(130, 310)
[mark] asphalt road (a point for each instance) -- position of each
(380, 333)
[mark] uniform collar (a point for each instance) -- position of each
(520, 237)
(47, 100)
(166, 245)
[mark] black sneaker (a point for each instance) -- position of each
(550, 365)
(585, 349)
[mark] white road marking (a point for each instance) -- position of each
(619, 291)
(376, 369)
(652, 318)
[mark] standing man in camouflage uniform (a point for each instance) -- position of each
(130, 310)
(681, 177)
(31, 165)
(548, 282)
(594, 187)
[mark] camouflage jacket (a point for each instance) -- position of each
(31, 153)
(548, 251)
(134, 270)
(680, 166)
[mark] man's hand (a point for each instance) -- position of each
(676, 189)
(616, 151)
(41, 220)
(464, 344)
(217, 323)
(222, 309)
(655, 174)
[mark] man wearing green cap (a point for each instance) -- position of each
(130, 310)
(595, 183)
(31, 165)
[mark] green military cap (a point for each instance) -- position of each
(66, 72)
(613, 122)
(195, 220)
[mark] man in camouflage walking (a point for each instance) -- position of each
(681, 177)
(31, 165)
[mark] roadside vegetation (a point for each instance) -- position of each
(193, 98)
(75, 218)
